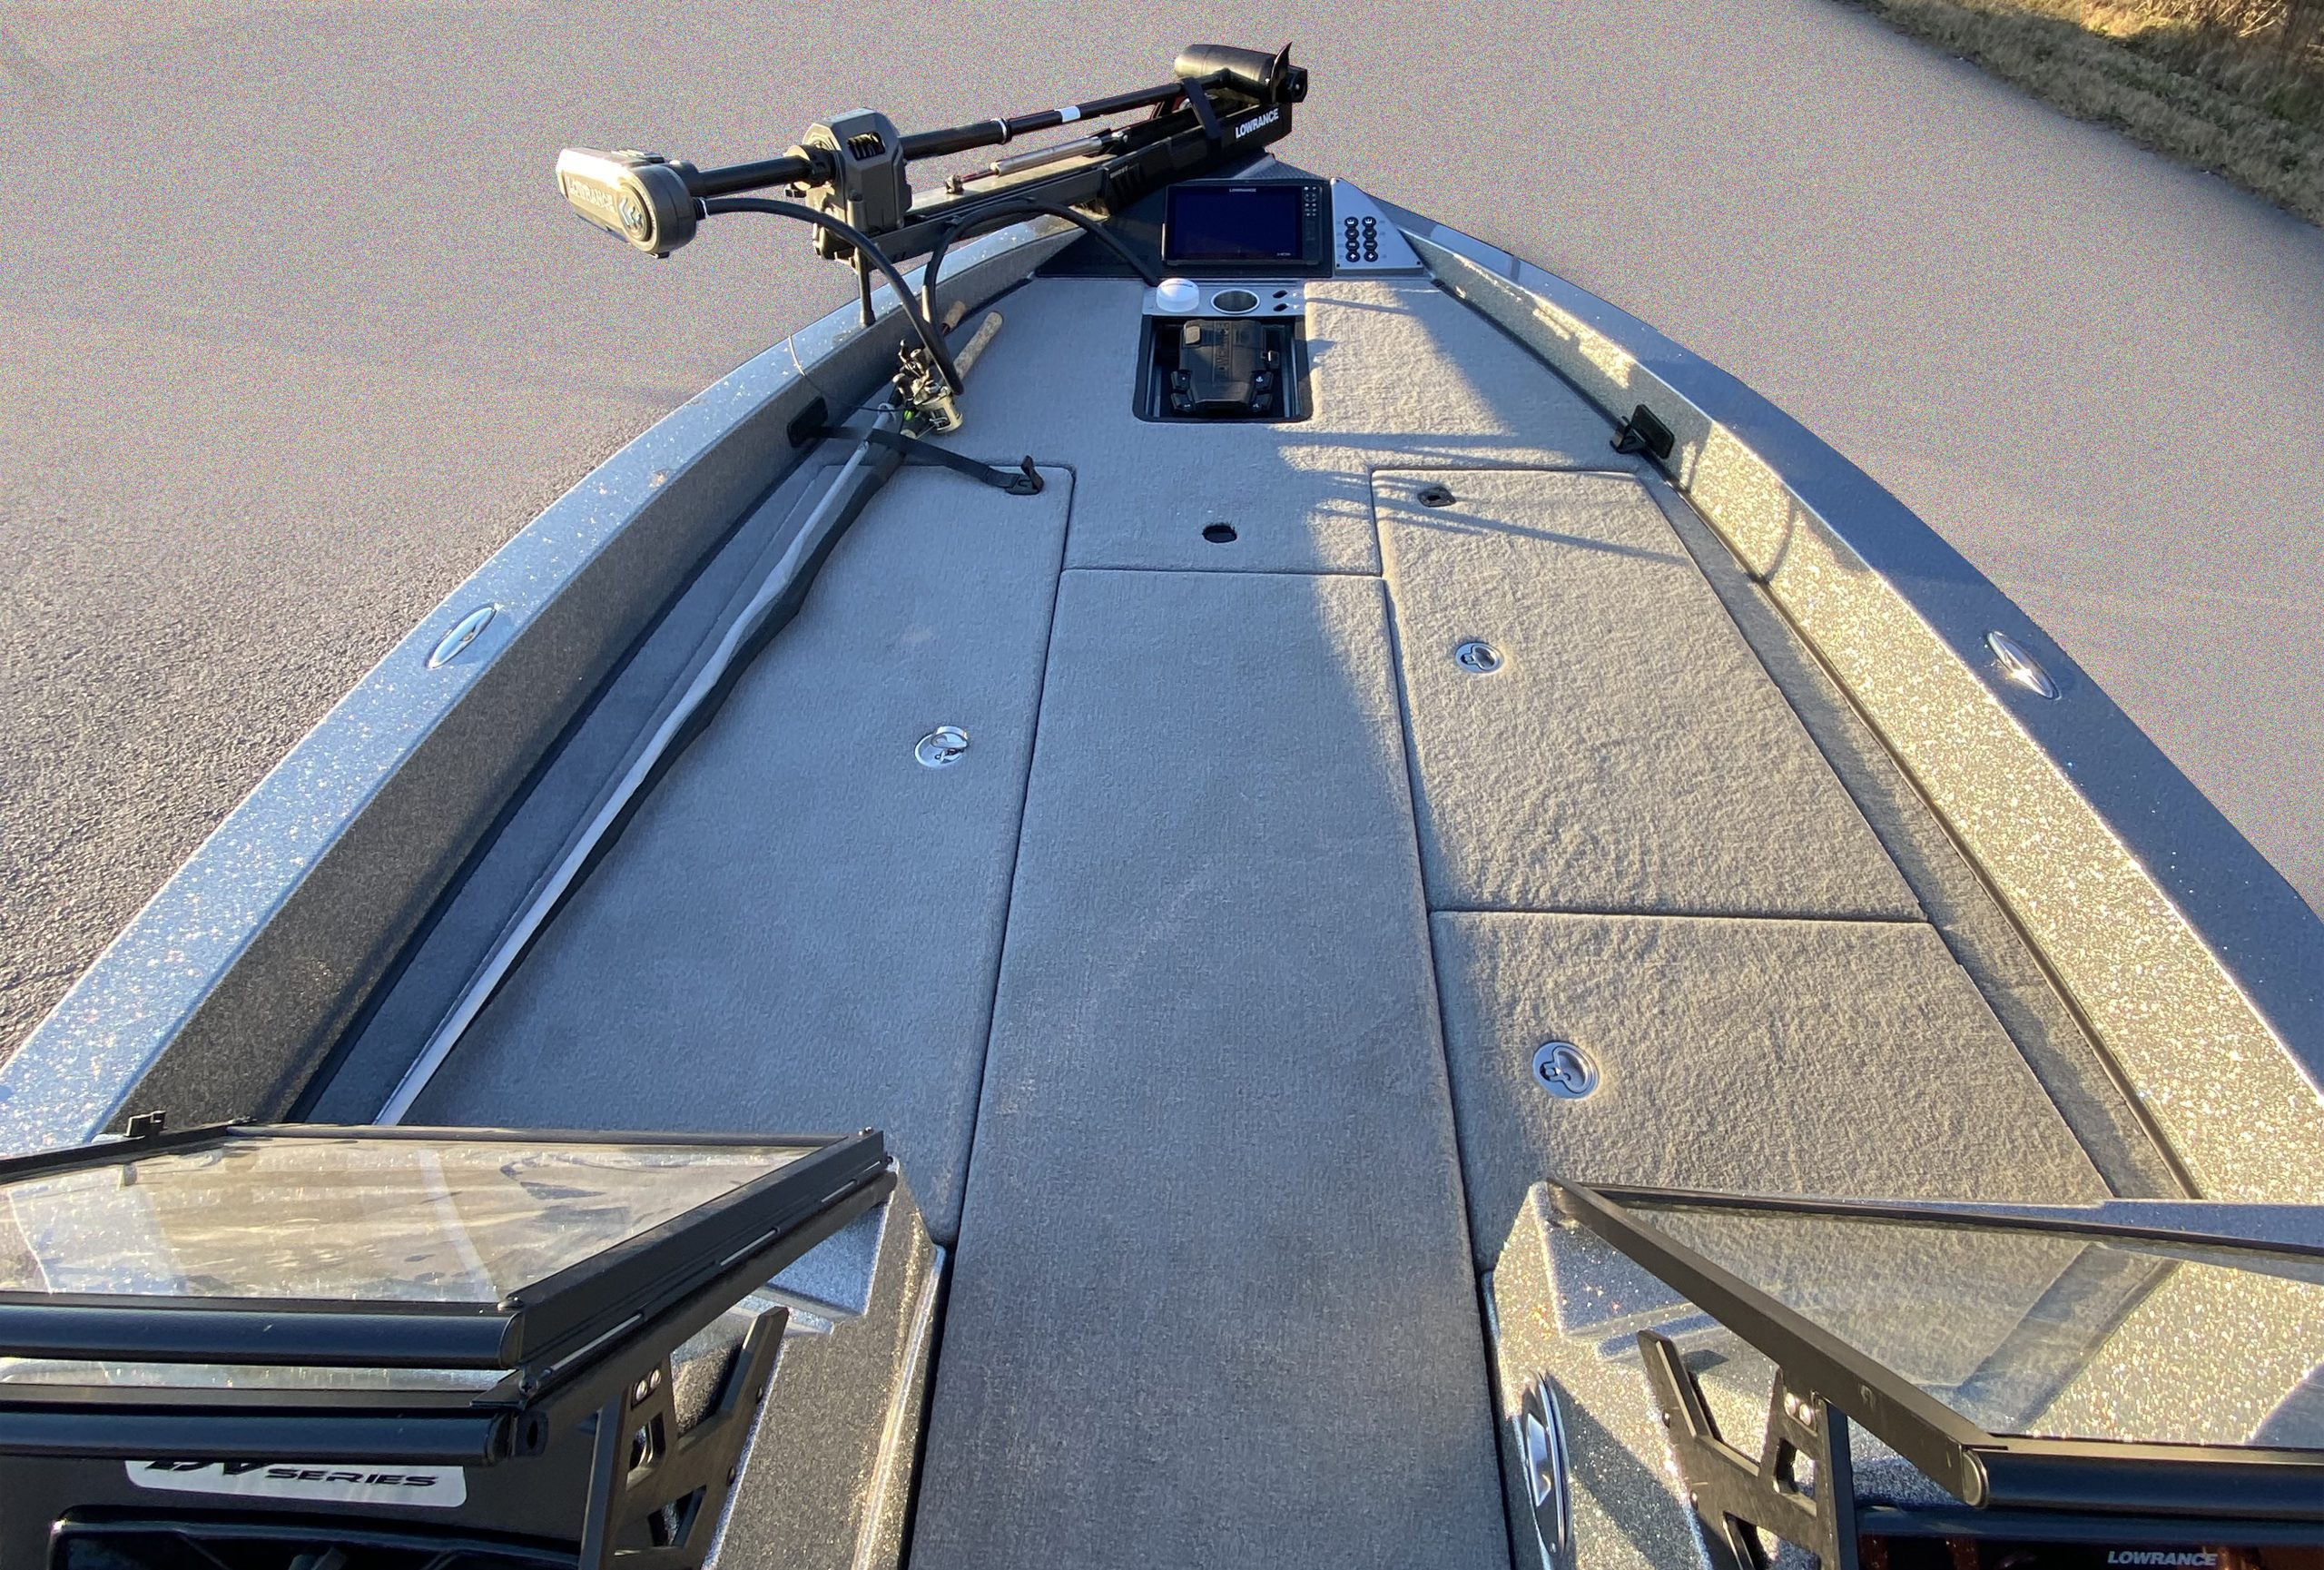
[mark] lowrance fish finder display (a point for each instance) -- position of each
(1277, 221)
(1880, 1552)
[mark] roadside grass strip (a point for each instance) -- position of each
(2232, 86)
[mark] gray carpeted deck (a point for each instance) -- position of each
(1629, 754)
(799, 928)
(1402, 375)
(1784, 1057)
(1218, 1175)
(1211, 1304)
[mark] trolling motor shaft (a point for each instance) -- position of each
(848, 177)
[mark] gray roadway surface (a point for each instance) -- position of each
(296, 332)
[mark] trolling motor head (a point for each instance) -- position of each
(640, 197)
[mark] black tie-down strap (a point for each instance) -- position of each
(1022, 480)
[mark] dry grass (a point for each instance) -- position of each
(2234, 87)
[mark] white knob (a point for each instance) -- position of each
(1177, 294)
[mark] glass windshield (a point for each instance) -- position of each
(351, 1219)
(2048, 1334)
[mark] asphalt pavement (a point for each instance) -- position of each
(296, 332)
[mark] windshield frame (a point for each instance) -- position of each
(1982, 1469)
(534, 1331)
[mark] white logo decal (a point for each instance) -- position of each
(1269, 118)
(2194, 1558)
(442, 1486)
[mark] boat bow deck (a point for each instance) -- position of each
(1201, 996)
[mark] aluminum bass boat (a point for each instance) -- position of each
(1223, 880)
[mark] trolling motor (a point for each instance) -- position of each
(849, 177)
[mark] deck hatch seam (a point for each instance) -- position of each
(1009, 900)
(1633, 913)
(1232, 571)
(1428, 951)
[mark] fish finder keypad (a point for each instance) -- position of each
(1362, 238)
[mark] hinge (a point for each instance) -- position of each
(1735, 1497)
(656, 1495)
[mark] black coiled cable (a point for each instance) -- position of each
(929, 339)
(1005, 208)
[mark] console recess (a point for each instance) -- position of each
(1202, 367)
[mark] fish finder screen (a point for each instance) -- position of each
(1232, 223)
